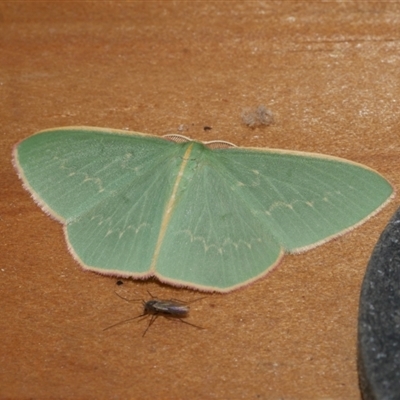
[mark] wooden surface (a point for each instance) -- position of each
(330, 73)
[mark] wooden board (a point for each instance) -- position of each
(330, 73)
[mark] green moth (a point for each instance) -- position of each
(191, 214)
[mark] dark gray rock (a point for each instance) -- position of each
(379, 319)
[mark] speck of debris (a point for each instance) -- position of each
(260, 116)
